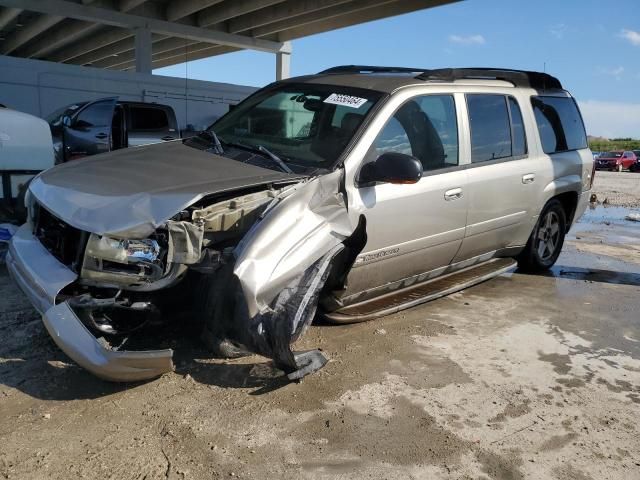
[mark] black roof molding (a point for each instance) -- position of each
(519, 78)
(369, 69)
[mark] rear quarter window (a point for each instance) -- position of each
(148, 118)
(559, 123)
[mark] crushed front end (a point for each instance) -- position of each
(259, 259)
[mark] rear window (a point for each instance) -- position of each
(148, 118)
(559, 123)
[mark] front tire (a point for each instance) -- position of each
(546, 240)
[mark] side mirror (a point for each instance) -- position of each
(390, 167)
(66, 121)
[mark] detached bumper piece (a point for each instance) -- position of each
(75, 340)
(42, 284)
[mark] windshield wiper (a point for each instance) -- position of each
(263, 150)
(215, 141)
(275, 158)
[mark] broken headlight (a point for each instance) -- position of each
(123, 263)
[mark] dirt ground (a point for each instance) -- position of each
(520, 377)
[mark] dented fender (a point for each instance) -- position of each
(294, 234)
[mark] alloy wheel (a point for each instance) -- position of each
(548, 237)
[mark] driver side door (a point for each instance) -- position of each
(417, 228)
(90, 130)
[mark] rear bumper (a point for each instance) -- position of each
(41, 277)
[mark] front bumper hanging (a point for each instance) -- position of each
(42, 286)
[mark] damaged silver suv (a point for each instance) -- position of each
(351, 194)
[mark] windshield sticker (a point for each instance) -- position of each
(345, 100)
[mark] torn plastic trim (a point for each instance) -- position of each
(270, 333)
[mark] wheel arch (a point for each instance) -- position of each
(565, 190)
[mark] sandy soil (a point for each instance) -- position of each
(619, 189)
(520, 377)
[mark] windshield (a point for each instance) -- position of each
(611, 155)
(304, 124)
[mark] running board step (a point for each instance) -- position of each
(421, 293)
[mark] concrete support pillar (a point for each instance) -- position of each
(283, 63)
(143, 50)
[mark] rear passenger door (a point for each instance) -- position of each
(150, 124)
(502, 186)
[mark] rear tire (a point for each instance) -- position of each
(546, 240)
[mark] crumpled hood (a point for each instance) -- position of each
(131, 192)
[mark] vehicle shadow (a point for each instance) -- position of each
(261, 376)
(34, 365)
(55, 378)
(592, 275)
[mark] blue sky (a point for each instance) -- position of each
(592, 46)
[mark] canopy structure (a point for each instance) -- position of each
(141, 35)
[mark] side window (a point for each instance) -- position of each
(519, 139)
(490, 127)
(148, 118)
(559, 123)
(424, 127)
(96, 115)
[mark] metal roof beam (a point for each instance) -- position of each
(359, 14)
(125, 20)
(62, 34)
(159, 47)
(8, 15)
(65, 33)
(398, 7)
(99, 40)
(192, 52)
(282, 11)
(231, 9)
(78, 52)
(127, 5)
(176, 10)
(325, 14)
(29, 32)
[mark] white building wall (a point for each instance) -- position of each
(38, 87)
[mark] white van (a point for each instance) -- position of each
(26, 149)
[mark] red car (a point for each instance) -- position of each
(618, 160)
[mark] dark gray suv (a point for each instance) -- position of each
(88, 128)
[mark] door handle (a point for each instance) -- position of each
(101, 136)
(453, 194)
(528, 178)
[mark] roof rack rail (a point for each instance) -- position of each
(519, 78)
(370, 69)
